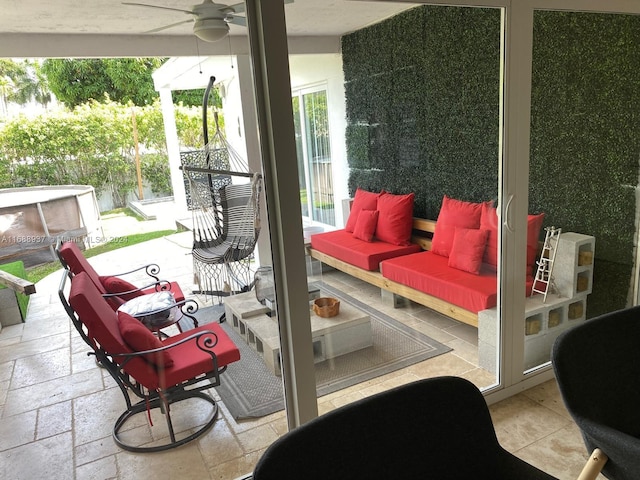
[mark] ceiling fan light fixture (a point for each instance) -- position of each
(210, 29)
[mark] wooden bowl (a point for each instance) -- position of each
(326, 307)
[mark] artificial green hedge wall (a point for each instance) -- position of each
(422, 93)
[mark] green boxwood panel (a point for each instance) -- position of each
(422, 98)
(17, 269)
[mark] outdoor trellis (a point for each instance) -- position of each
(224, 198)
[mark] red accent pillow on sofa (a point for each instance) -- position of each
(118, 285)
(139, 338)
(395, 218)
(468, 249)
(362, 200)
(489, 221)
(454, 214)
(366, 225)
(534, 225)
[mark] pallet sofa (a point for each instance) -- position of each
(448, 265)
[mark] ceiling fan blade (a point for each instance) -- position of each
(235, 20)
(158, 6)
(240, 7)
(169, 26)
(237, 8)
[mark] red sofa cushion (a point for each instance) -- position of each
(468, 249)
(366, 225)
(431, 274)
(489, 221)
(342, 245)
(395, 220)
(454, 213)
(362, 200)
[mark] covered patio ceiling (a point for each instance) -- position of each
(68, 28)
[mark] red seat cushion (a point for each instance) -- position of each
(395, 219)
(431, 274)
(342, 245)
(189, 361)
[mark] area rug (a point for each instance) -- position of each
(249, 389)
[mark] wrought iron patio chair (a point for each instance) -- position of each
(161, 373)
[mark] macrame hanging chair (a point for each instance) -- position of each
(224, 199)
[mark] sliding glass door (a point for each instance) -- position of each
(313, 147)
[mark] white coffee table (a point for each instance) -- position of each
(347, 332)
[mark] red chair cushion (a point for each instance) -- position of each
(366, 225)
(140, 338)
(77, 263)
(395, 219)
(102, 325)
(114, 284)
(362, 200)
(190, 361)
(454, 213)
(468, 249)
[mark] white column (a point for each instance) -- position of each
(173, 150)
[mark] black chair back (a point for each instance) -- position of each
(437, 428)
(597, 366)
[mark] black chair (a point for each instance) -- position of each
(597, 366)
(437, 428)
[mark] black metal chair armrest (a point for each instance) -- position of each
(152, 270)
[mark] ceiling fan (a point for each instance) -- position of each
(211, 20)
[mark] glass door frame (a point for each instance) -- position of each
(267, 38)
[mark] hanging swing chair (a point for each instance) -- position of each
(224, 199)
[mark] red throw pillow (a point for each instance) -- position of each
(489, 222)
(139, 338)
(362, 200)
(366, 225)
(468, 249)
(395, 218)
(534, 225)
(118, 285)
(454, 213)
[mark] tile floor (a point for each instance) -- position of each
(57, 408)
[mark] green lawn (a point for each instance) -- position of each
(37, 273)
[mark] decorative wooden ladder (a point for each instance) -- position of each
(544, 279)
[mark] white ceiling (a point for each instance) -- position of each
(51, 18)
